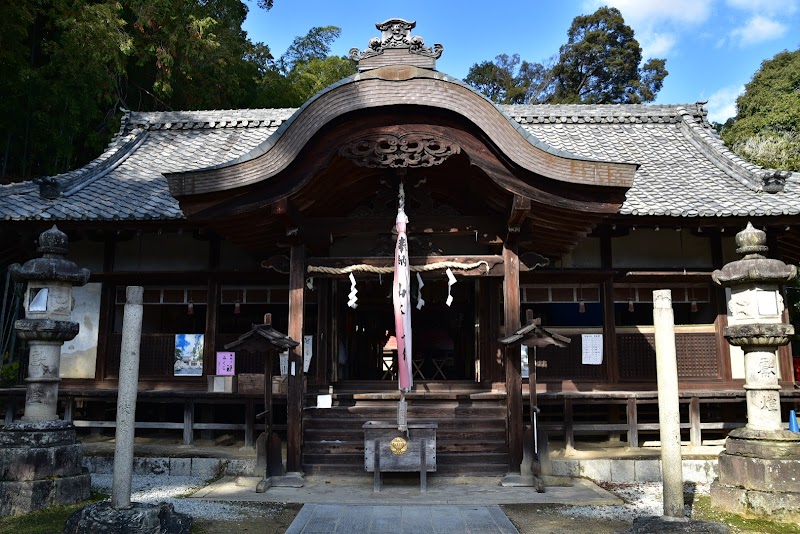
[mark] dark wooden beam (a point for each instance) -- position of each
(283, 211)
(609, 331)
(294, 401)
(322, 340)
(520, 208)
(511, 308)
(212, 309)
(421, 224)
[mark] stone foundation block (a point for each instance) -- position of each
(623, 471)
(702, 471)
(32, 463)
(180, 467)
(648, 470)
(99, 465)
(22, 497)
(598, 470)
(36, 438)
(246, 468)
(762, 474)
(206, 467)
(151, 466)
(783, 507)
(565, 468)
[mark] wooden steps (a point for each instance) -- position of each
(470, 440)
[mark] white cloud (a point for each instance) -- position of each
(758, 29)
(657, 44)
(722, 104)
(652, 13)
(657, 23)
(765, 7)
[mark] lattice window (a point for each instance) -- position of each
(697, 356)
(637, 356)
(565, 363)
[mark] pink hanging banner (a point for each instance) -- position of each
(401, 297)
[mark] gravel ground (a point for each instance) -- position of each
(640, 499)
(155, 489)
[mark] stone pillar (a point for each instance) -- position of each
(669, 419)
(759, 470)
(126, 397)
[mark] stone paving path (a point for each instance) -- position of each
(402, 519)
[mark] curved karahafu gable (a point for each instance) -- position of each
(401, 85)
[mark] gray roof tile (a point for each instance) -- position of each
(685, 170)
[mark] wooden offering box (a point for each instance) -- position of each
(387, 449)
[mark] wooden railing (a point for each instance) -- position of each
(567, 414)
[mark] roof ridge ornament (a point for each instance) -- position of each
(396, 46)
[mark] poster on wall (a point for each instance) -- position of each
(525, 365)
(592, 349)
(79, 355)
(226, 363)
(188, 354)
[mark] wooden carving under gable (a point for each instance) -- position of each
(414, 149)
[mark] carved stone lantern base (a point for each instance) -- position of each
(101, 518)
(759, 475)
(40, 466)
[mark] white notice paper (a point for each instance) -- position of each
(592, 353)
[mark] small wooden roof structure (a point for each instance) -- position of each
(533, 335)
(261, 337)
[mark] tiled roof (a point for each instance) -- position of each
(685, 170)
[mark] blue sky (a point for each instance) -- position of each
(712, 47)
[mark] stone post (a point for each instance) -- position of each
(669, 420)
(758, 470)
(126, 397)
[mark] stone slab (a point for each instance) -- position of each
(420, 519)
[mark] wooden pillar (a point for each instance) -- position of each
(512, 357)
(609, 317)
(106, 319)
(294, 401)
(610, 331)
(212, 309)
(718, 300)
(323, 348)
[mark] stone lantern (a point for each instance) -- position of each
(47, 325)
(40, 459)
(759, 470)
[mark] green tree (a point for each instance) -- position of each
(509, 81)
(766, 129)
(304, 69)
(599, 64)
(66, 68)
(59, 74)
(189, 54)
